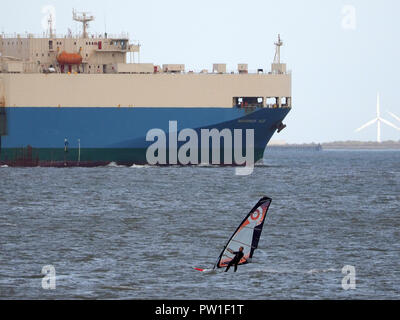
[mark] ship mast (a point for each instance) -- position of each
(278, 45)
(50, 24)
(84, 19)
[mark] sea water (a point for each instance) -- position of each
(136, 232)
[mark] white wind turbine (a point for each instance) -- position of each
(378, 120)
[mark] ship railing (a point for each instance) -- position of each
(283, 106)
(252, 71)
(260, 105)
(37, 36)
(64, 36)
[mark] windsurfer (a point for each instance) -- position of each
(236, 259)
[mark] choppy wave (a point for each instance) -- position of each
(315, 271)
(134, 234)
(5, 224)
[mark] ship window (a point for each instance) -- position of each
(286, 102)
(272, 102)
(243, 102)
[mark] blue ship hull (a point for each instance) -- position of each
(35, 135)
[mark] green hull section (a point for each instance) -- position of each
(90, 157)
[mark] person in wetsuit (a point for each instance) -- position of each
(236, 259)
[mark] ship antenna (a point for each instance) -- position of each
(50, 23)
(84, 19)
(278, 45)
(105, 25)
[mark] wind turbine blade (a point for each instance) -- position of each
(389, 123)
(367, 124)
(378, 106)
(394, 116)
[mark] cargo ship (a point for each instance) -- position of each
(76, 100)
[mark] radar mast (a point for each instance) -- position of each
(50, 26)
(278, 45)
(84, 18)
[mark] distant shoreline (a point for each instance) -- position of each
(339, 145)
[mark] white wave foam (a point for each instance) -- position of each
(6, 224)
(270, 270)
(138, 166)
(313, 271)
(114, 165)
(205, 164)
(287, 271)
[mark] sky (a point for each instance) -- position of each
(341, 53)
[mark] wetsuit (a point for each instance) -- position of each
(235, 261)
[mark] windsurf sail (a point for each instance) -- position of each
(247, 235)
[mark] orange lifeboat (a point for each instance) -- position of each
(69, 58)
